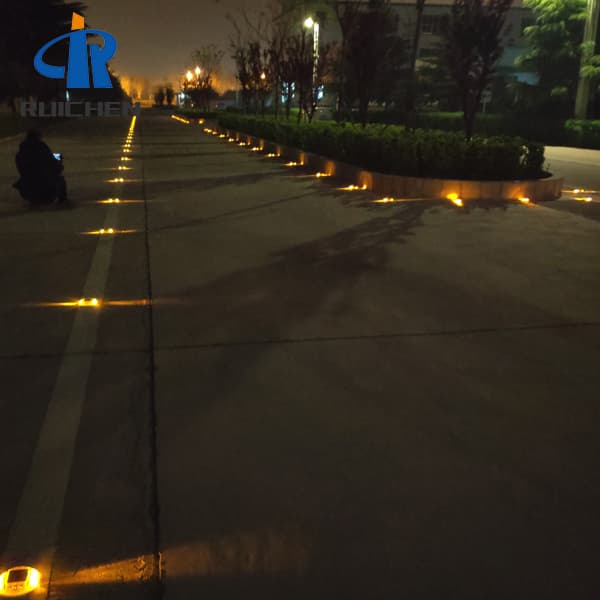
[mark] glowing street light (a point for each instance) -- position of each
(189, 76)
(310, 23)
(198, 71)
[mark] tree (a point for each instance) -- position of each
(473, 47)
(242, 67)
(411, 92)
(590, 61)
(25, 26)
(554, 53)
(370, 50)
(169, 94)
(300, 74)
(159, 96)
(207, 60)
(280, 31)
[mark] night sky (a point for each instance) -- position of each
(156, 37)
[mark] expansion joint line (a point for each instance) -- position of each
(157, 569)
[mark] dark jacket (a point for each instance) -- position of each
(38, 169)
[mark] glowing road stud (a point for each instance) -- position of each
(354, 188)
(19, 581)
(88, 303)
(454, 198)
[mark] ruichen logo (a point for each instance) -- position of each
(77, 70)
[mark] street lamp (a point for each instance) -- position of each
(198, 70)
(310, 23)
(189, 76)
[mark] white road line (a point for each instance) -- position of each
(33, 536)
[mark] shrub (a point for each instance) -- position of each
(397, 151)
(573, 132)
(193, 113)
(583, 133)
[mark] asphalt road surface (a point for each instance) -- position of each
(287, 391)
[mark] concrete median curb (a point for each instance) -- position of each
(538, 190)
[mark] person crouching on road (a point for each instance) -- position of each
(41, 179)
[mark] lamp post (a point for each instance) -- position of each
(310, 23)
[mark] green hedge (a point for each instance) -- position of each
(192, 113)
(556, 132)
(585, 134)
(394, 150)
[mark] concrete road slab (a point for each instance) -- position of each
(293, 392)
(361, 401)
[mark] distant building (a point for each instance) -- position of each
(436, 17)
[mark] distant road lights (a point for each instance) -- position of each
(198, 71)
(189, 76)
(263, 76)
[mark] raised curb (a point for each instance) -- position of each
(538, 190)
